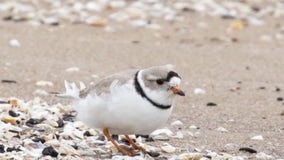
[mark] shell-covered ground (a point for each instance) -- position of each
(228, 53)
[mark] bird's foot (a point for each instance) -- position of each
(134, 145)
(127, 150)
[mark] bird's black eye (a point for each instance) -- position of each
(160, 81)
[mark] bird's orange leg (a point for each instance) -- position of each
(134, 145)
(122, 149)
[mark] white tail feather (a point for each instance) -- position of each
(71, 90)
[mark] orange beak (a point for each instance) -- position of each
(177, 90)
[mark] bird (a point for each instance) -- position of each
(135, 101)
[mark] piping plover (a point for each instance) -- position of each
(130, 102)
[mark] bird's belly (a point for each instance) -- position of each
(124, 114)
(136, 119)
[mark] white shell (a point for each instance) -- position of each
(168, 148)
(199, 91)
(72, 69)
(44, 83)
(176, 123)
(14, 43)
(258, 137)
(263, 156)
(222, 129)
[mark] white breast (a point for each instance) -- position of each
(122, 111)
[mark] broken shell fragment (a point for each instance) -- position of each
(10, 120)
(13, 102)
(168, 148)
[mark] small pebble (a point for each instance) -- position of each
(75, 147)
(60, 123)
(2, 148)
(279, 98)
(149, 139)
(13, 113)
(211, 104)
(33, 121)
(247, 149)
(262, 88)
(11, 149)
(39, 140)
(68, 117)
(49, 151)
(87, 133)
(153, 154)
(8, 81)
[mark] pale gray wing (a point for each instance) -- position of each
(103, 86)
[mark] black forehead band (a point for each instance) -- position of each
(172, 74)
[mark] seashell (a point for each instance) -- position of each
(139, 23)
(265, 38)
(191, 156)
(136, 13)
(222, 129)
(72, 69)
(93, 6)
(44, 83)
(51, 142)
(181, 5)
(51, 21)
(164, 131)
(193, 127)
(14, 43)
(258, 137)
(162, 134)
(199, 91)
(263, 156)
(96, 21)
(52, 123)
(117, 4)
(10, 120)
(40, 92)
(13, 102)
(168, 148)
(154, 26)
(67, 149)
(176, 123)
(239, 24)
(178, 135)
(119, 16)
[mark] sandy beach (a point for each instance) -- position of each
(239, 70)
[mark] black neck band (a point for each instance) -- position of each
(140, 91)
